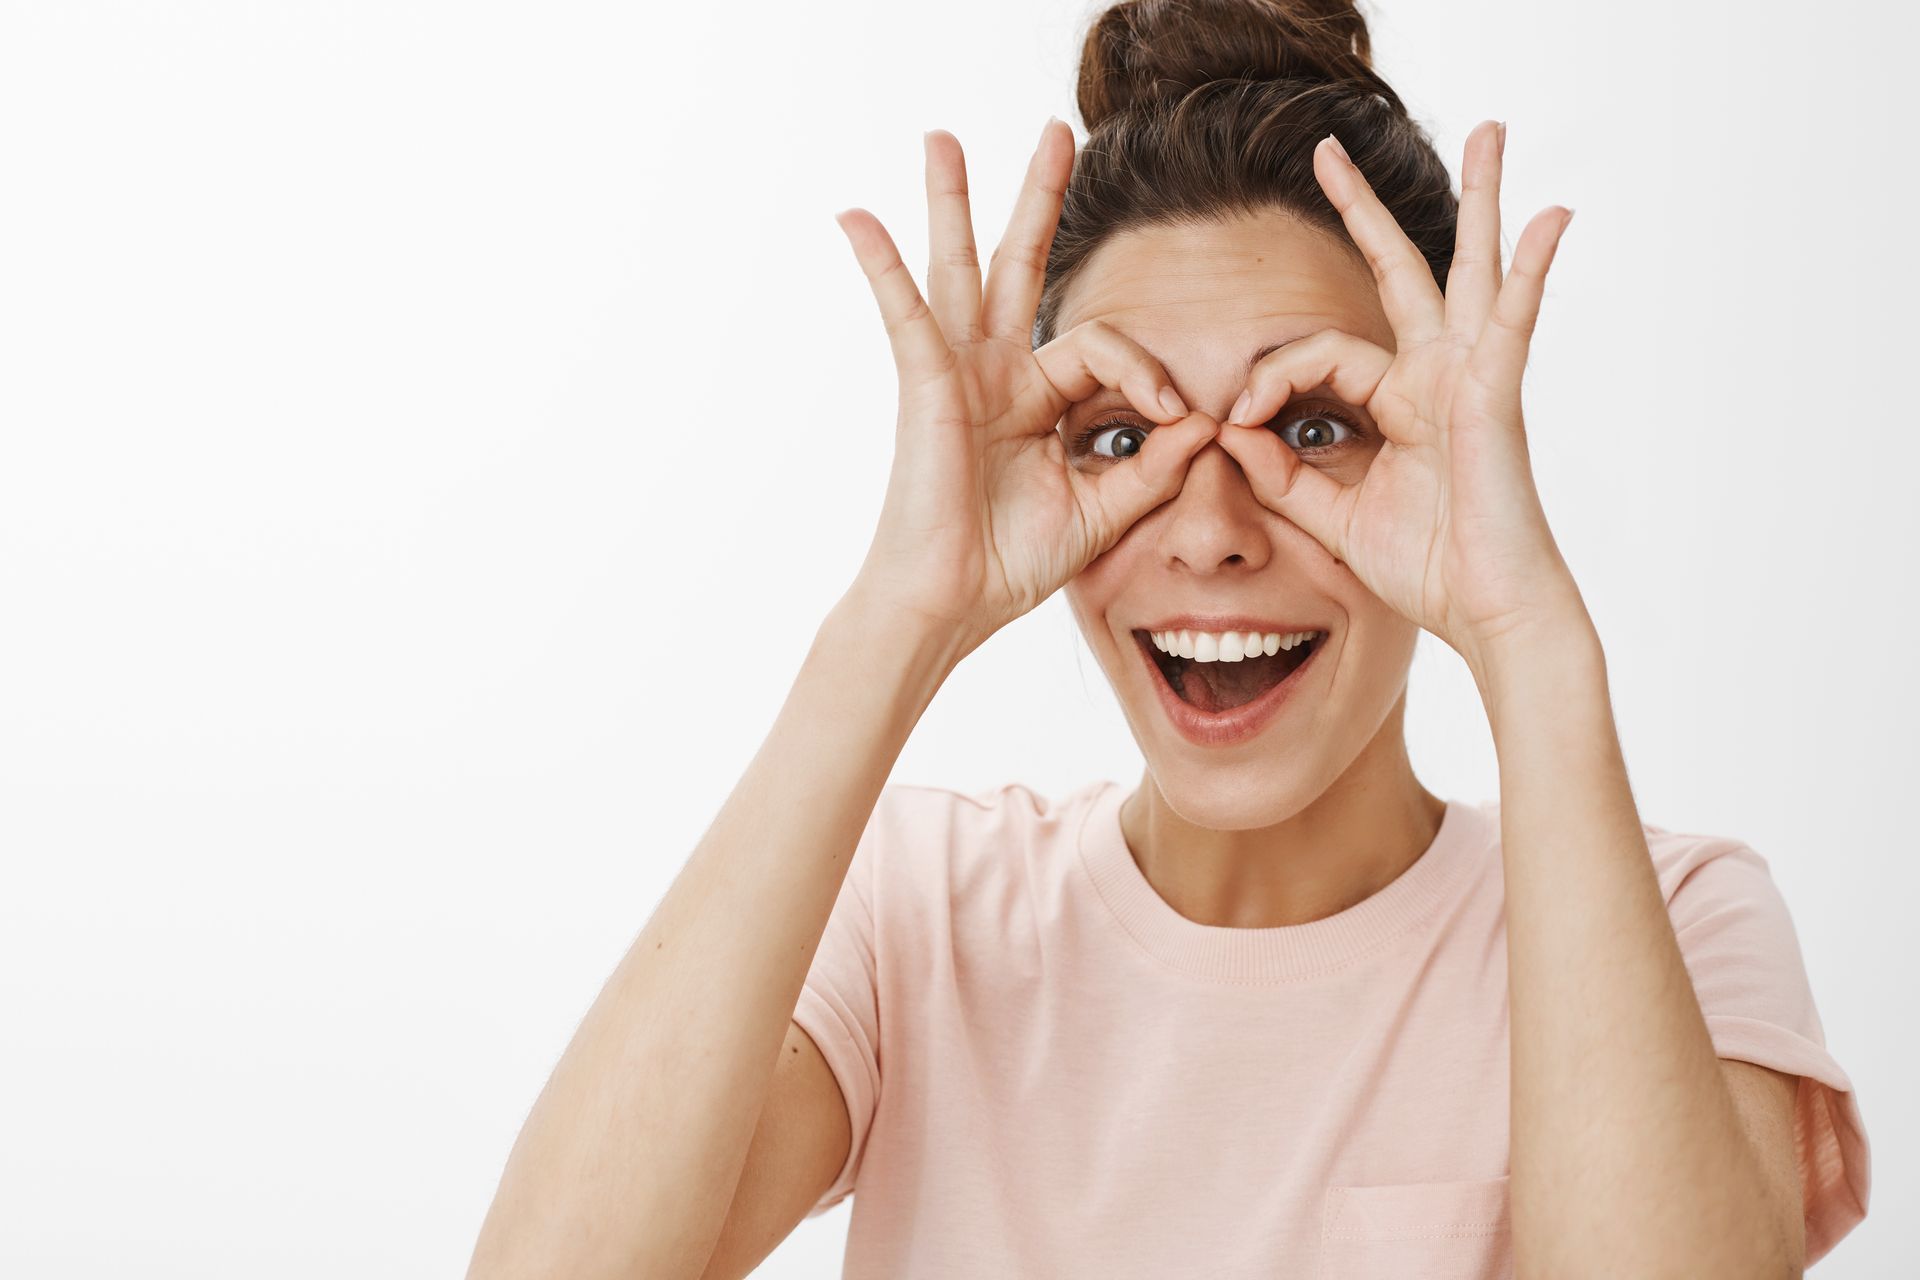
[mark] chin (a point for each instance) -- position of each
(1298, 752)
(1243, 796)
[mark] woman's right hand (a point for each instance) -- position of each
(985, 515)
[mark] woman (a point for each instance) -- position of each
(1251, 394)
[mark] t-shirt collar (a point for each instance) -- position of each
(1283, 952)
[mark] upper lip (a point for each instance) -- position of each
(1218, 622)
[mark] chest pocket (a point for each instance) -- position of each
(1430, 1230)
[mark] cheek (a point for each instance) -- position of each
(1350, 461)
(1305, 555)
(1101, 580)
(1085, 600)
(1384, 652)
(1351, 468)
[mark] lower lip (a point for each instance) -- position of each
(1224, 728)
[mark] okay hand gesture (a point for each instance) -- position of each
(983, 517)
(1445, 525)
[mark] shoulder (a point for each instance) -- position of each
(964, 843)
(962, 820)
(1692, 861)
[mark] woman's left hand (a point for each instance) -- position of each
(1445, 525)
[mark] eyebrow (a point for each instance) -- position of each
(1252, 360)
(1268, 350)
(1109, 393)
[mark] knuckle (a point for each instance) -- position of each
(896, 265)
(1088, 338)
(1469, 257)
(913, 313)
(1021, 255)
(1111, 345)
(1521, 325)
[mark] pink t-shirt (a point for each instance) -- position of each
(1051, 1072)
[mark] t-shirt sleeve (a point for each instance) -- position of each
(839, 1003)
(1744, 958)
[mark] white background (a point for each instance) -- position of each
(433, 432)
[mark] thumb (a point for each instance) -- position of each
(1121, 495)
(1305, 495)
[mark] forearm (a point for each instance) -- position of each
(628, 1162)
(1628, 1157)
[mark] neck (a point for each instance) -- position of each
(1345, 845)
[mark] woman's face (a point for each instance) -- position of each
(1204, 300)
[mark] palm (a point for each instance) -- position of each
(1009, 518)
(1042, 521)
(1401, 558)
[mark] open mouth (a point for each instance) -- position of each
(1219, 686)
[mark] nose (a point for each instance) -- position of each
(1215, 522)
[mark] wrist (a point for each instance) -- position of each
(1545, 660)
(895, 635)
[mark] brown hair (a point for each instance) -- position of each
(1198, 110)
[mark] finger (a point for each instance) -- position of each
(1473, 281)
(920, 352)
(1413, 302)
(953, 273)
(1094, 355)
(1019, 265)
(1283, 483)
(1118, 496)
(1350, 366)
(1499, 358)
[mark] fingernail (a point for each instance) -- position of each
(1342, 150)
(1170, 401)
(1502, 131)
(1051, 121)
(1240, 406)
(1564, 221)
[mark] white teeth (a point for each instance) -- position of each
(1228, 646)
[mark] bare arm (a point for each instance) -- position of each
(1631, 1150)
(1622, 1113)
(628, 1162)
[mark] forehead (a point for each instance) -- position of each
(1197, 294)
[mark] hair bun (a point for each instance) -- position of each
(1142, 51)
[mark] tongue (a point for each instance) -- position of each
(1221, 686)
